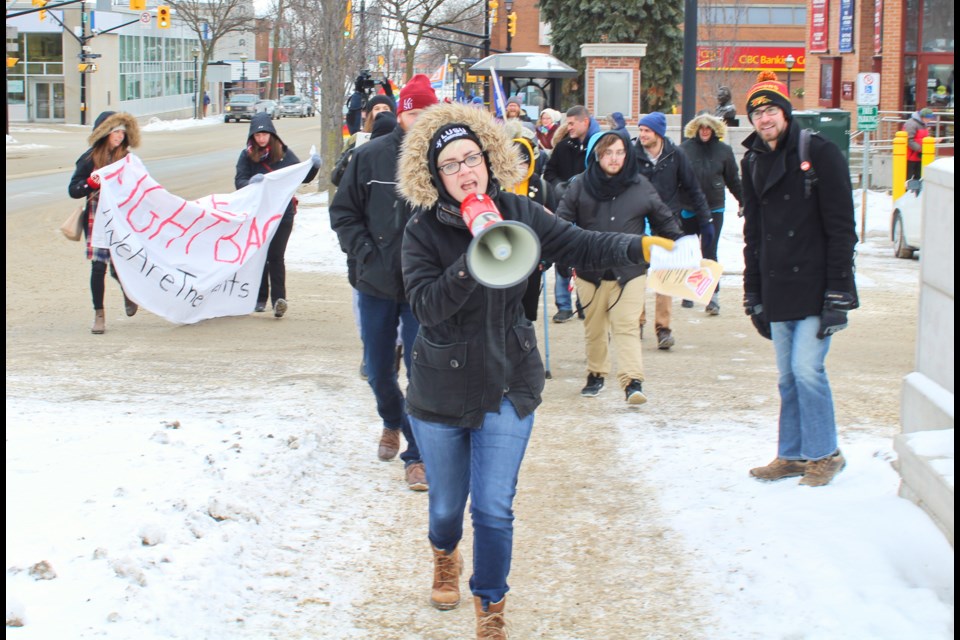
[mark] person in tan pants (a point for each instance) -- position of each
(611, 195)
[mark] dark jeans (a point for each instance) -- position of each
(691, 226)
(98, 277)
(274, 280)
(379, 319)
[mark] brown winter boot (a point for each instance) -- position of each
(99, 322)
(447, 568)
(490, 623)
(129, 306)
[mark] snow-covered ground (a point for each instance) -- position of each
(851, 561)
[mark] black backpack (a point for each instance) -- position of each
(809, 173)
(338, 169)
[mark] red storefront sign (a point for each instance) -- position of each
(819, 25)
(749, 58)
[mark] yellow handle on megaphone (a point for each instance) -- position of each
(649, 241)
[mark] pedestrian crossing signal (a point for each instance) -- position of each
(163, 16)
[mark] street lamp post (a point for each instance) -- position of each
(509, 7)
(454, 59)
(789, 61)
(243, 72)
(196, 85)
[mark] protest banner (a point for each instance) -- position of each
(188, 261)
(682, 272)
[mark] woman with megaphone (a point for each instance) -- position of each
(611, 195)
(477, 375)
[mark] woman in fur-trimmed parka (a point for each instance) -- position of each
(716, 167)
(114, 134)
(477, 374)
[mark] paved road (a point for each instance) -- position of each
(190, 162)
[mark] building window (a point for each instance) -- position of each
(829, 83)
(779, 15)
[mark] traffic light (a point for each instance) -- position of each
(163, 16)
(138, 5)
(348, 21)
(512, 24)
(43, 12)
(493, 11)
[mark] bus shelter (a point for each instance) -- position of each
(535, 77)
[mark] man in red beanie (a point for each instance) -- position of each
(799, 236)
(369, 216)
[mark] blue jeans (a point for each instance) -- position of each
(808, 430)
(379, 321)
(561, 293)
(483, 463)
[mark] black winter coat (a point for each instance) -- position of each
(796, 247)
(475, 344)
(247, 168)
(716, 167)
(566, 160)
(369, 216)
(672, 174)
(627, 213)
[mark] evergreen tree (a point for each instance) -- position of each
(657, 23)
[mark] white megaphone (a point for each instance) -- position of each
(503, 253)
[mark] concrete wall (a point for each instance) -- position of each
(925, 446)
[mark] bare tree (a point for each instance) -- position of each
(324, 57)
(416, 19)
(216, 18)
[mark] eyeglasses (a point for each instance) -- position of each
(772, 110)
(453, 167)
(610, 153)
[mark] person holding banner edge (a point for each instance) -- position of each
(114, 134)
(265, 152)
(477, 374)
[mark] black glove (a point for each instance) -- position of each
(635, 250)
(833, 318)
(754, 308)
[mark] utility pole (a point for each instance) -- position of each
(83, 75)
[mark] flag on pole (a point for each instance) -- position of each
(499, 100)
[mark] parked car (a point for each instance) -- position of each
(296, 107)
(907, 223)
(240, 106)
(269, 106)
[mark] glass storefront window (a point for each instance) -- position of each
(44, 47)
(909, 83)
(938, 26)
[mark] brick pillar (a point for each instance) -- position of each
(619, 57)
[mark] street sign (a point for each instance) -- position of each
(146, 19)
(868, 89)
(868, 118)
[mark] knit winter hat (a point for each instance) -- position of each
(515, 100)
(416, 94)
(618, 121)
(768, 91)
(656, 122)
(381, 99)
(927, 114)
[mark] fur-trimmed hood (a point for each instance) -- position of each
(414, 176)
(105, 126)
(705, 120)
